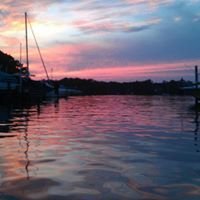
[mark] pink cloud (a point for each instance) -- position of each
(159, 71)
(67, 60)
(108, 26)
(117, 55)
(60, 58)
(138, 72)
(153, 3)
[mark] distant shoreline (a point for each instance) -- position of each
(147, 87)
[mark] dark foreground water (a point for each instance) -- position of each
(102, 147)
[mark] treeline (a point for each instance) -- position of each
(147, 87)
(10, 65)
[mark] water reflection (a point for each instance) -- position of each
(5, 115)
(19, 169)
(196, 131)
(113, 147)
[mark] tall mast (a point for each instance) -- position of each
(26, 34)
(20, 71)
(20, 53)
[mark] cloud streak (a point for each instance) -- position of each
(89, 36)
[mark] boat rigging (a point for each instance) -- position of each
(38, 48)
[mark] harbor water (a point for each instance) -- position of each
(101, 148)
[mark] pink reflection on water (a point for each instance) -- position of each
(128, 146)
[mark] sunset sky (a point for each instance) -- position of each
(119, 40)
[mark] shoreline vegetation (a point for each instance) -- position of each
(147, 87)
(92, 87)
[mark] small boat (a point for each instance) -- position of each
(63, 91)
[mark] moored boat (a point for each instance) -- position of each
(19, 85)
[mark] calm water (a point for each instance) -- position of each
(101, 147)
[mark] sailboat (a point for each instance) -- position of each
(35, 88)
(20, 85)
(49, 89)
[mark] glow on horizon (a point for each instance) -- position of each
(120, 40)
(131, 73)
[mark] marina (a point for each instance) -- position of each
(16, 83)
(99, 100)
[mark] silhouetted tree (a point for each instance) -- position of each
(9, 64)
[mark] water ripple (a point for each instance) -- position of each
(101, 147)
